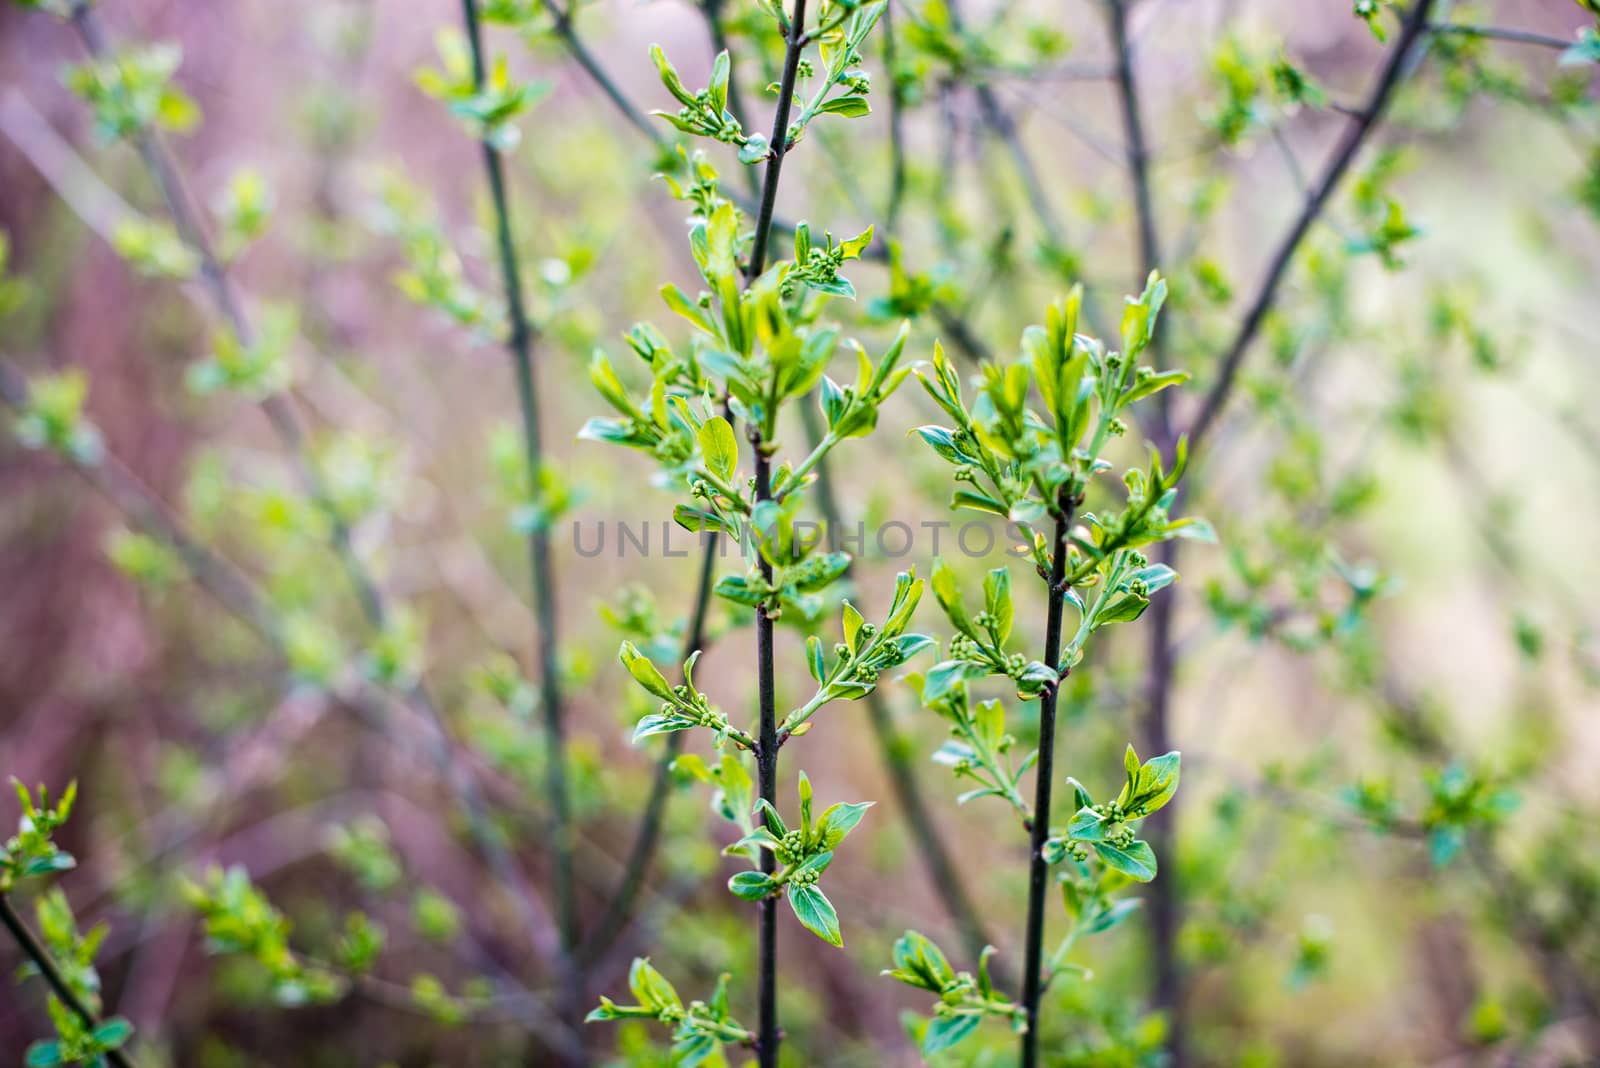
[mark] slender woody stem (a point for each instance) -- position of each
(768, 1035)
(36, 952)
(767, 776)
(1139, 177)
(1038, 869)
(1502, 33)
(1165, 896)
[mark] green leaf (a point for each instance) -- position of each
(1153, 785)
(1137, 861)
(717, 87)
(814, 658)
(719, 447)
(1087, 825)
(43, 1055)
(651, 987)
(1586, 50)
(1125, 609)
(920, 963)
(1112, 915)
(693, 1050)
(644, 672)
(814, 910)
(948, 595)
(944, 677)
(946, 1031)
(1148, 385)
(739, 590)
(1193, 529)
(851, 107)
(997, 602)
(657, 723)
(852, 625)
(839, 820)
(751, 885)
(113, 1033)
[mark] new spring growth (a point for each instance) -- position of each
(1108, 830)
(698, 1028)
(32, 851)
(964, 999)
(842, 29)
(682, 706)
(1030, 447)
(803, 854)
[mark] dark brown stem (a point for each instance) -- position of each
(35, 952)
(768, 1035)
(1038, 869)
(1139, 178)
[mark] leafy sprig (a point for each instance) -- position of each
(803, 854)
(698, 1028)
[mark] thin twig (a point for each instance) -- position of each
(1355, 136)
(1138, 154)
(1166, 893)
(592, 67)
(768, 1035)
(897, 124)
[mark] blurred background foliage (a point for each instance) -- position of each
(1384, 675)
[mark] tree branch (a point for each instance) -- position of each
(1316, 201)
(36, 952)
(1499, 33)
(520, 346)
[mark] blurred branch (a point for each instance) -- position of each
(286, 423)
(1355, 136)
(1166, 895)
(96, 203)
(237, 593)
(1003, 127)
(520, 344)
(129, 494)
(1138, 161)
(1162, 666)
(586, 59)
(1499, 33)
(897, 123)
(648, 836)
